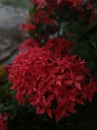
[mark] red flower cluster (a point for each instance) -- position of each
(43, 17)
(53, 84)
(40, 17)
(59, 46)
(2, 123)
(38, 23)
(28, 43)
(43, 2)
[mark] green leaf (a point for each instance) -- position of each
(33, 10)
(91, 26)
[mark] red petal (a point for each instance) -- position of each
(68, 82)
(49, 113)
(58, 83)
(77, 85)
(72, 98)
(80, 101)
(72, 75)
(71, 108)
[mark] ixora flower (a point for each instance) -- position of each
(54, 85)
(59, 46)
(41, 3)
(30, 42)
(2, 123)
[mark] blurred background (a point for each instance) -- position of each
(12, 14)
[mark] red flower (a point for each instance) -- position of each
(74, 80)
(27, 27)
(41, 3)
(75, 2)
(90, 89)
(43, 17)
(2, 123)
(28, 43)
(60, 46)
(53, 84)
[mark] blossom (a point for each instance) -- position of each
(41, 24)
(90, 89)
(43, 17)
(75, 2)
(27, 27)
(30, 42)
(59, 46)
(53, 84)
(42, 3)
(2, 123)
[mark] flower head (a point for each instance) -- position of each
(54, 85)
(41, 3)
